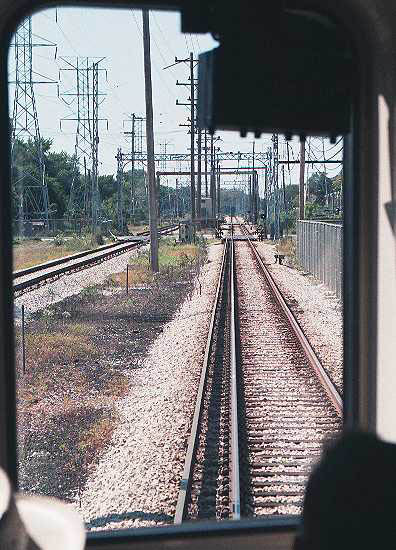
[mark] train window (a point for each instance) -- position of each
(180, 297)
(206, 390)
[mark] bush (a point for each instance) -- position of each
(97, 239)
(59, 240)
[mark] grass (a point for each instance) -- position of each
(80, 359)
(66, 399)
(287, 246)
(29, 253)
(52, 353)
(137, 228)
(71, 343)
(171, 257)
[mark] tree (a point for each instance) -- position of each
(59, 169)
(319, 187)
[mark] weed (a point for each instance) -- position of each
(287, 246)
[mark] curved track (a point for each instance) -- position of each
(26, 279)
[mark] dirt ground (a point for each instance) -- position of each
(81, 356)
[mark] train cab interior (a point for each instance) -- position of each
(278, 68)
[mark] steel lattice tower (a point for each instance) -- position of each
(84, 194)
(95, 143)
(136, 141)
(79, 198)
(31, 185)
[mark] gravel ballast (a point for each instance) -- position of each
(71, 284)
(137, 478)
(316, 308)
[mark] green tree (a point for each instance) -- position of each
(319, 186)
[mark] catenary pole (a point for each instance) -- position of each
(192, 130)
(302, 171)
(206, 163)
(199, 179)
(132, 209)
(152, 191)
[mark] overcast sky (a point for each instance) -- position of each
(116, 35)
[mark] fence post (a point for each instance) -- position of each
(127, 280)
(23, 341)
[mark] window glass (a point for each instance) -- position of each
(114, 354)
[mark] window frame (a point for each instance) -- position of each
(360, 245)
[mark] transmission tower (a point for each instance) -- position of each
(30, 183)
(84, 194)
(86, 98)
(79, 190)
(136, 140)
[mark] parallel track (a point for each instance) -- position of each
(26, 279)
(264, 406)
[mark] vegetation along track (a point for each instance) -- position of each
(264, 406)
(31, 277)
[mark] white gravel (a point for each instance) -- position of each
(317, 309)
(136, 480)
(70, 284)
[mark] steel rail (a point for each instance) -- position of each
(308, 350)
(185, 483)
(96, 257)
(234, 428)
(77, 255)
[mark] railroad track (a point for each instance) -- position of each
(264, 406)
(34, 276)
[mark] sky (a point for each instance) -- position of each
(116, 35)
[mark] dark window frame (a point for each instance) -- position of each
(359, 276)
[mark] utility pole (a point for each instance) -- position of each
(132, 209)
(191, 104)
(206, 163)
(254, 203)
(199, 180)
(276, 183)
(192, 130)
(212, 177)
(152, 191)
(302, 171)
(120, 198)
(218, 189)
(284, 196)
(266, 203)
(250, 198)
(325, 173)
(177, 199)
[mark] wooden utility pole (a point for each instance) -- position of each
(212, 177)
(132, 209)
(192, 130)
(302, 171)
(206, 163)
(177, 199)
(120, 198)
(254, 203)
(284, 189)
(250, 197)
(152, 190)
(218, 189)
(199, 180)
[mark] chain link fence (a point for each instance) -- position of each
(319, 251)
